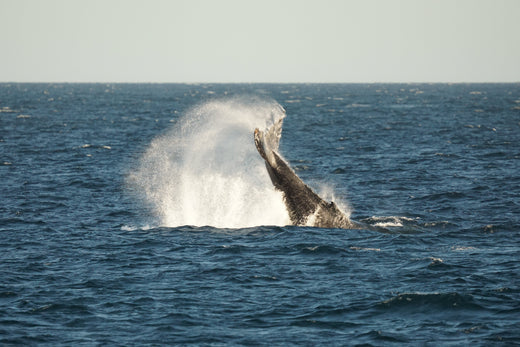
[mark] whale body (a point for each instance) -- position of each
(304, 206)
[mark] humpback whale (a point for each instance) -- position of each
(304, 206)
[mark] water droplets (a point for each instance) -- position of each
(206, 171)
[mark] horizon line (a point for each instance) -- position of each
(258, 82)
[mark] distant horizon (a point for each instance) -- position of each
(198, 83)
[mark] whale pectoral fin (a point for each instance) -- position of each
(259, 143)
(304, 206)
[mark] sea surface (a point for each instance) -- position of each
(129, 216)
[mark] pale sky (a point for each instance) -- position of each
(260, 41)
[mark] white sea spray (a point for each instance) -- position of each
(206, 171)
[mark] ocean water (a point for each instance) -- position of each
(141, 214)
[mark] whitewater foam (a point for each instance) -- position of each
(206, 171)
(389, 221)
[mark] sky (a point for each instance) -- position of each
(280, 41)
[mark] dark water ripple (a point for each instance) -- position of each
(82, 263)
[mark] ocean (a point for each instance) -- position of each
(141, 214)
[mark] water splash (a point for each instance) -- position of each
(206, 170)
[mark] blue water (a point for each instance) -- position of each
(87, 258)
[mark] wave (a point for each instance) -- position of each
(395, 224)
(421, 301)
(389, 221)
(205, 171)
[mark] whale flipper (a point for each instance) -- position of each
(303, 205)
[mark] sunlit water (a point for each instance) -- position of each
(142, 214)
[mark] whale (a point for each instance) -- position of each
(304, 206)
